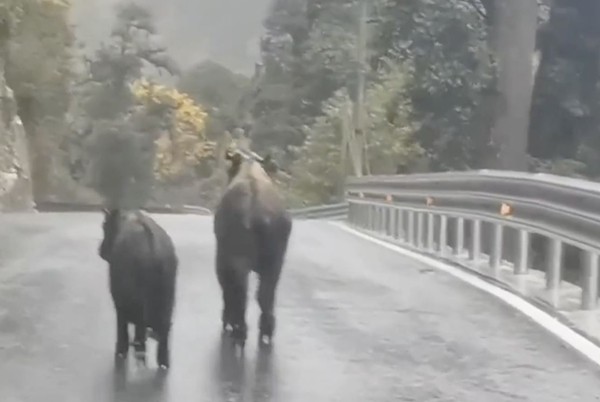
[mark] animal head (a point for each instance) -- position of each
(110, 228)
(237, 159)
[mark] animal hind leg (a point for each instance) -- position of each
(269, 278)
(271, 263)
(266, 301)
(163, 323)
(224, 280)
(225, 277)
(239, 293)
(122, 345)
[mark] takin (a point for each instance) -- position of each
(142, 270)
(252, 228)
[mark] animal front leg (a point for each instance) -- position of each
(122, 345)
(163, 355)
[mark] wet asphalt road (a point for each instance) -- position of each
(356, 322)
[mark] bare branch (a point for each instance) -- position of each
(480, 11)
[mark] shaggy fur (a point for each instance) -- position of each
(252, 229)
(143, 270)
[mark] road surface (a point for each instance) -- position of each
(356, 322)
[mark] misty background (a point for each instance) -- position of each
(225, 31)
(175, 85)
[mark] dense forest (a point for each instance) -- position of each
(403, 85)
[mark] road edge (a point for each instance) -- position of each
(554, 325)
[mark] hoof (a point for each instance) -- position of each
(120, 361)
(121, 357)
(265, 340)
(150, 333)
(227, 328)
(163, 367)
(239, 342)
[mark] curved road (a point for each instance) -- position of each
(356, 322)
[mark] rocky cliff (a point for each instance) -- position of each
(15, 179)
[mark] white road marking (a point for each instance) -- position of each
(551, 324)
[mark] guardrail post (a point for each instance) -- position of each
(497, 245)
(389, 227)
(362, 212)
(349, 216)
(420, 228)
(522, 263)
(411, 228)
(460, 236)
(443, 235)
(394, 222)
(589, 281)
(554, 262)
(400, 225)
(373, 225)
(476, 241)
(430, 229)
(375, 218)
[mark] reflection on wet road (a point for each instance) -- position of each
(355, 323)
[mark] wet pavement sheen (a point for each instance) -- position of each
(356, 322)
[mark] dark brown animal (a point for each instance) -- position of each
(143, 271)
(252, 228)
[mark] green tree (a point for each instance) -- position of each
(320, 169)
(122, 139)
(446, 43)
(308, 54)
(275, 125)
(39, 69)
(220, 92)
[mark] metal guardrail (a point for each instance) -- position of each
(332, 212)
(55, 206)
(416, 211)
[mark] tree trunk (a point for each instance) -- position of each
(512, 41)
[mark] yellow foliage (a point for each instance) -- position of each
(183, 146)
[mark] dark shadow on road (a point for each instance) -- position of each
(141, 385)
(230, 370)
(265, 375)
(235, 380)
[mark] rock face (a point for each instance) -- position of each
(16, 192)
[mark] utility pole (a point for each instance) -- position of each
(358, 139)
(353, 115)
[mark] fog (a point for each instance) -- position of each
(225, 31)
